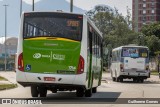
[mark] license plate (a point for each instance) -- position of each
(49, 79)
(134, 68)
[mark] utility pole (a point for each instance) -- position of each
(5, 60)
(20, 7)
(33, 5)
(71, 6)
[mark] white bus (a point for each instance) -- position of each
(130, 62)
(59, 51)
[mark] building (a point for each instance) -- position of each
(145, 12)
(11, 50)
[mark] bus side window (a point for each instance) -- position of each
(90, 40)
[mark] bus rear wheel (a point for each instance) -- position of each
(113, 78)
(34, 91)
(94, 90)
(42, 91)
(88, 93)
(80, 92)
(117, 79)
(121, 79)
(141, 80)
(135, 80)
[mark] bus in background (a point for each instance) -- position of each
(59, 51)
(130, 62)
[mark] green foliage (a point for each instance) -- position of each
(152, 37)
(153, 43)
(3, 79)
(115, 27)
(151, 29)
(7, 86)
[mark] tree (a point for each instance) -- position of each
(115, 27)
(153, 44)
(151, 29)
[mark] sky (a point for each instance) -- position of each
(121, 5)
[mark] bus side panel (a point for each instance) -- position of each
(20, 75)
(83, 52)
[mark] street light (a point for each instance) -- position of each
(33, 5)
(71, 6)
(20, 7)
(5, 60)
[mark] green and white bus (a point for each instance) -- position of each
(59, 51)
(130, 62)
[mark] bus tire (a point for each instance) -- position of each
(141, 80)
(117, 79)
(54, 90)
(149, 75)
(94, 90)
(42, 91)
(80, 92)
(121, 79)
(88, 93)
(135, 80)
(34, 91)
(113, 79)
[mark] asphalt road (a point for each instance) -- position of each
(108, 89)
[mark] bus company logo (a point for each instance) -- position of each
(58, 57)
(37, 55)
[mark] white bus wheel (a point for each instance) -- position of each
(134, 80)
(42, 91)
(141, 80)
(88, 93)
(113, 78)
(117, 79)
(80, 92)
(34, 91)
(121, 79)
(54, 90)
(94, 90)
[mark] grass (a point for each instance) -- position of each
(154, 73)
(3, 79)
(7, 86)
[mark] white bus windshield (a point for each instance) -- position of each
(134, 52)
(53, 25)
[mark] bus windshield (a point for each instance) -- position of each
(52, 25)
(134, 52)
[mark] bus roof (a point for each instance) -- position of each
(90, 22)
(93, 25)
(129, 46)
